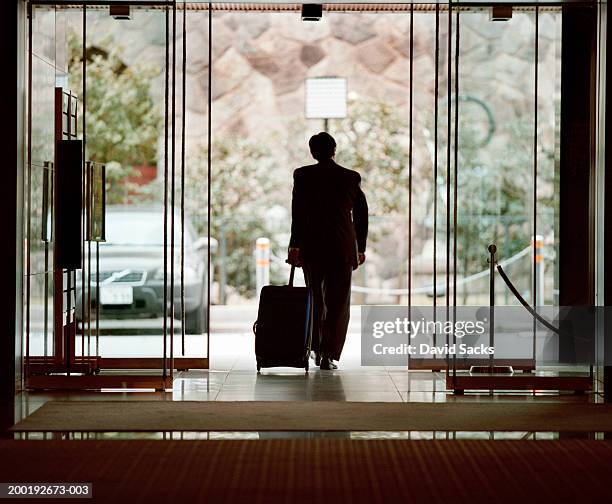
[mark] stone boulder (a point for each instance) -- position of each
(311, 54)
(375, 55)
(351, 30)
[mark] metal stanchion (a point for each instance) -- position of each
(492, 368)
(492, 262)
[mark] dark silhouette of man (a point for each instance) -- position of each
(329, 230)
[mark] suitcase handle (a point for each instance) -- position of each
(291, 275)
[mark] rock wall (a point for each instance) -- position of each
(260, 62)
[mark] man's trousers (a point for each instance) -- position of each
(331, 289)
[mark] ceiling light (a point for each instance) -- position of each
(501, 13)
(121, 12)
(312, 12)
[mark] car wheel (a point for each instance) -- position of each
(195, 321)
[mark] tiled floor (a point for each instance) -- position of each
(368, 384)
(351, 384)
(233, 377)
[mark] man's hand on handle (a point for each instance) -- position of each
(293, 257)
(361, 258)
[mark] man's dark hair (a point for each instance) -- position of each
(322, 146)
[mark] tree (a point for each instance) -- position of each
(123, 122)
(246, 184)
(494, 191)
(373, 139)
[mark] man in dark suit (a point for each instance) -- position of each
(329, 230)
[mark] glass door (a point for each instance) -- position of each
(139, 300)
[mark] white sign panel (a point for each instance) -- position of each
(116, 295)
(326, 98)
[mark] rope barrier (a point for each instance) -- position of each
(428, 288)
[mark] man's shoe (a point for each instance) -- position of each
(328, 364)
(317, 358)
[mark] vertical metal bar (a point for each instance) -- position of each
(183, 179)
(83, 187)
(435, 170)
(535, 176)
(58, 278)
(83, 297)
(47, 174)
(29, 193)
(166, 86)
(448, 169)
(172, 189)
(68, 330)
(97, 298)
(492, 261)
(47, 213)
(455, 182)
(410, 131)
(89, 196)
(89, 203)
(209, 161)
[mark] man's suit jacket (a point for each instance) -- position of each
(329, 214)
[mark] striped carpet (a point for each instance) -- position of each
(321, 471)
(131, 416)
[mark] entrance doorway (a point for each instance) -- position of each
(193, 116)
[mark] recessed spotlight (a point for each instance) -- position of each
(312, 12)
(501, 13)
(121, 12)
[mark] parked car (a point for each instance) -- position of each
(132, 267)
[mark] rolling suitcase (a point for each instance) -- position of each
(283, 329)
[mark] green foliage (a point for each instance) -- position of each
(246, 184)
(372, 140)
(495, 182)
(123, 123)
(495, 189)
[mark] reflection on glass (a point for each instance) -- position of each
(47, 203)
(496, 152)
(124, 127)
(141, 227)
(97, 201)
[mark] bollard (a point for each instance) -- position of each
(262, 264)
(537, 243)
